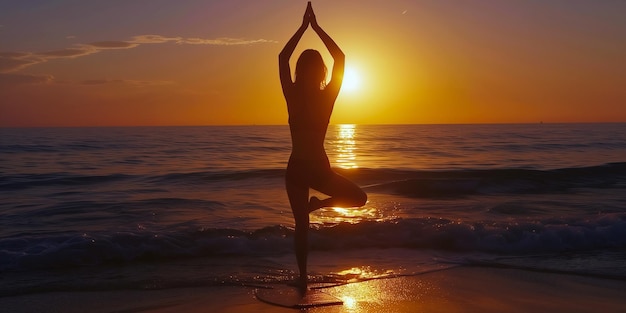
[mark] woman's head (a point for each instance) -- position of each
(310, 69)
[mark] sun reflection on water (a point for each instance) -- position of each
(349, 302)
(336, 215)
(345, 146)
(361, 273)
(361, 297)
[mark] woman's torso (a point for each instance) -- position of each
(309, 114)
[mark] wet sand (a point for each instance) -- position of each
(461, 289)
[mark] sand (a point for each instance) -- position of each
(461, 289)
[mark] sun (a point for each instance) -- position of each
(351, 79)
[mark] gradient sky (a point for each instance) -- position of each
(204, 62)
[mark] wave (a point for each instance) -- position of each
(217, 176)
(550, 235)
(26, 181)
(461, 183)
(605, 265)
(411, 183)
(92, 210)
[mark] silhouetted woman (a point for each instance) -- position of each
(310, 103)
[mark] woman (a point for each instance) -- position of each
(310, 103)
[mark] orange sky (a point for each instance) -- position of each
(157, 62)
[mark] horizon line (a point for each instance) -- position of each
(331, 124)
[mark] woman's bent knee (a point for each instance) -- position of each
(357, 198)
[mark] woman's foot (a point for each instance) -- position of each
(314, 204)
(300, 284)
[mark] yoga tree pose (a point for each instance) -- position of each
(310, 103)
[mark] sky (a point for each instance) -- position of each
(209, 62)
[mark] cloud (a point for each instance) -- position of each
(84, 49)
(16, 61)
(142, 39)
(113, 45)
(223, 41)
(7, 80)
(66, 53)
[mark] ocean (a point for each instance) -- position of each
(143, 208)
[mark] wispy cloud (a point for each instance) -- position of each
(223, 41)
(154, 39)
(67, 53)
(112, 45)
(17, 61)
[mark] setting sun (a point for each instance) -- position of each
(351, 79)
(207, 64)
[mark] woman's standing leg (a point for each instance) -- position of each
(298, 199)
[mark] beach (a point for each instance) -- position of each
(460, 289)
(459, 218)
(390, 156)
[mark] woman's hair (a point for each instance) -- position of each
(310, 69)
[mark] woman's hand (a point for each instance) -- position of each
(290, 46)
(306, 19)
(311, 15)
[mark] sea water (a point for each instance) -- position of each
(173, 207)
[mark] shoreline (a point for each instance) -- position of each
(458, 289)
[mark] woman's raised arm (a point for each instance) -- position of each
(285, 54)
(338, 56)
